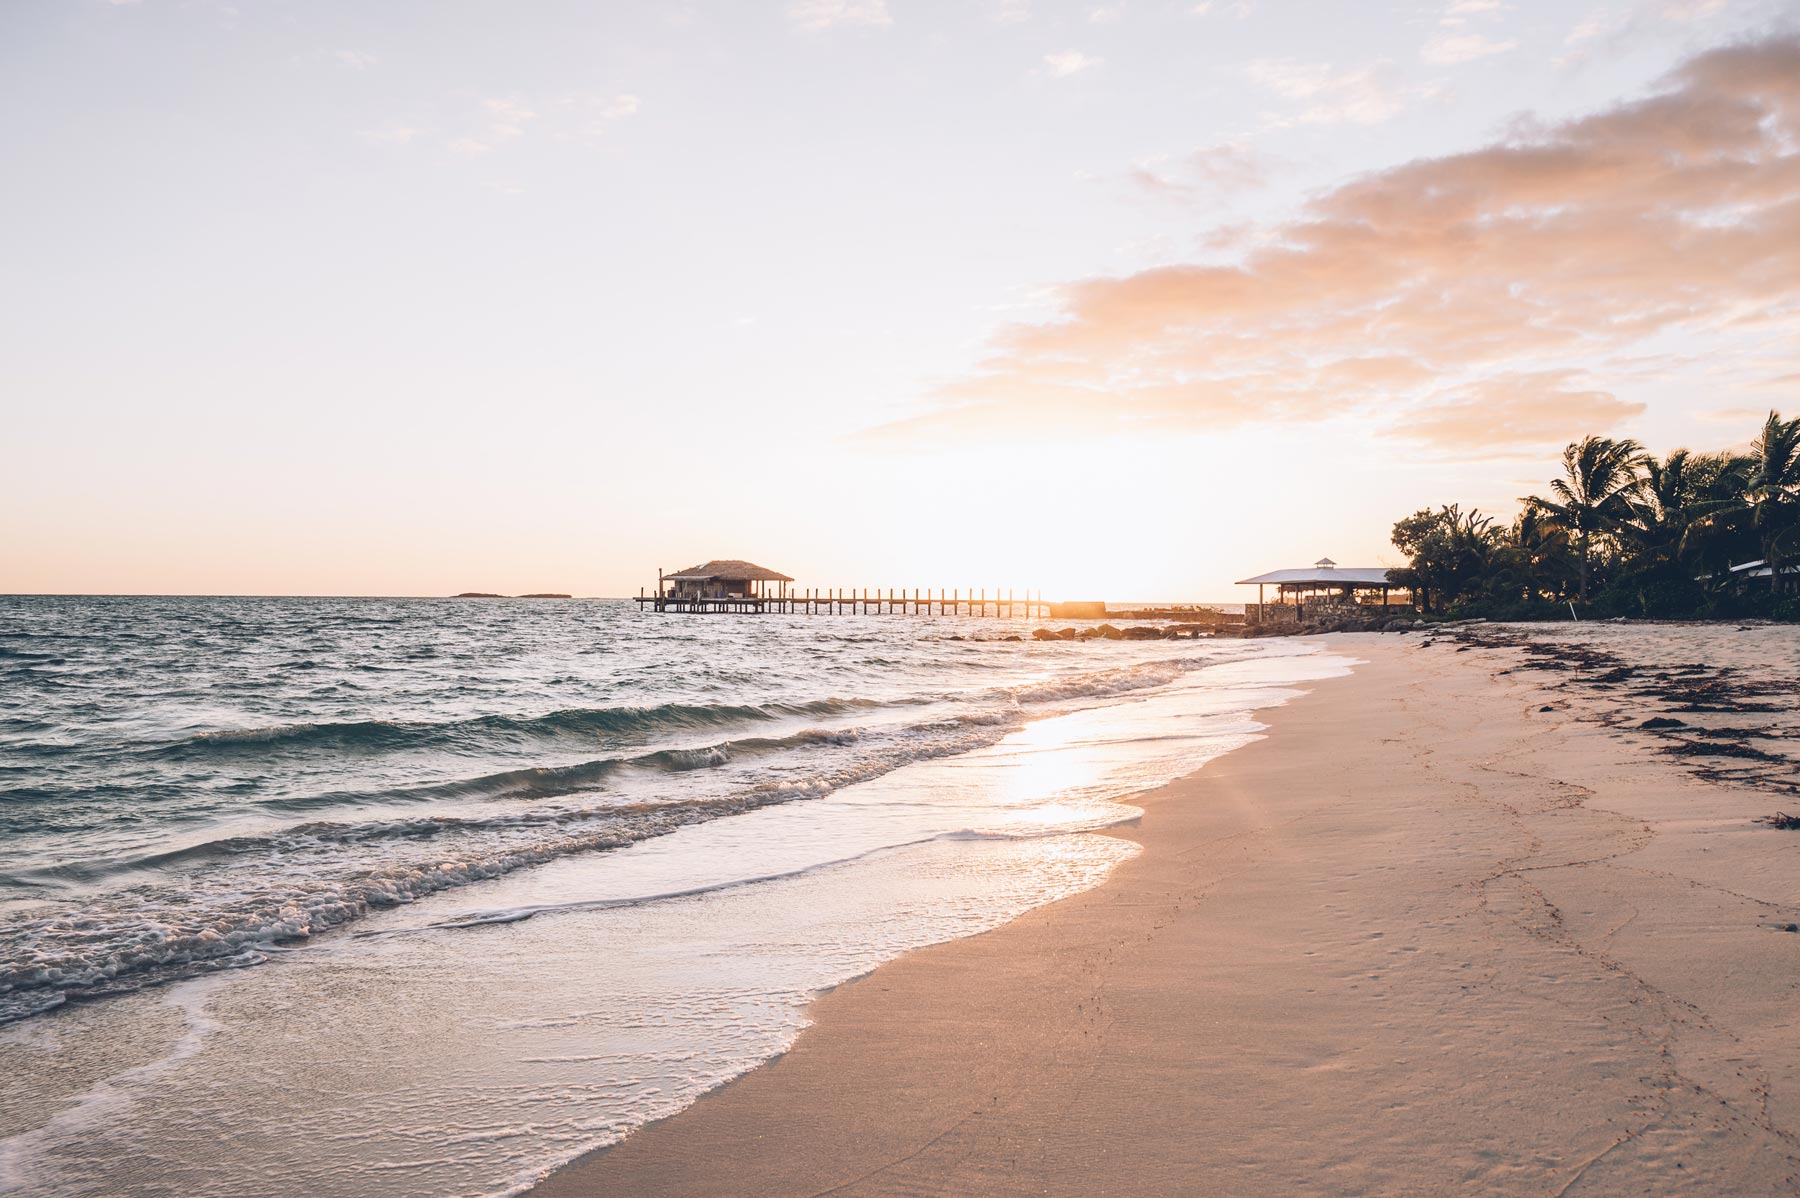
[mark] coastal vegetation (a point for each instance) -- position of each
(1624, 533)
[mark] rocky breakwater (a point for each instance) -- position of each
(1110, 632)
(1171, 632)
(1346, 623)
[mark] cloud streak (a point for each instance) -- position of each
(1222, 169)
(1065, 63)
(1453, 298)
(1449, 49)
(1516, 408)
(503, 119)
(1362, 96)
(815, 16)
(578, 117)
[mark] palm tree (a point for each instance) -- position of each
(1772, 491)
(1715, 522)
(1548, 558)
(1660, 508)
(1593, 498)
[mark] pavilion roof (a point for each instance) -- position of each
(1325, 576)
(728, 570)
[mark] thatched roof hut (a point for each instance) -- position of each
(727, 570)
(724, 578)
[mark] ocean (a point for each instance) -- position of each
(424, 897)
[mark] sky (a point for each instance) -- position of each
(1118, 299)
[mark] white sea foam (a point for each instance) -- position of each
(24, 1161)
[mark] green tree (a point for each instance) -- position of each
(1547, 560)
(1450, 551)
(1662, 508)
(1594, 496)
(1690, 514)
(1772, 492)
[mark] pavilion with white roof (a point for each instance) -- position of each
(1341, 583)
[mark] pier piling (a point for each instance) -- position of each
(1003, 604)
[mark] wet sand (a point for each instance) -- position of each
(1427, 937)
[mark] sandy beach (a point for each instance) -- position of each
(855, 597)
(1453, 926)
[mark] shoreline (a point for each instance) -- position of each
(1422, 936)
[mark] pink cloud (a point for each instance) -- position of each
(1472, 279)
(1526, 408)
(1216, 170)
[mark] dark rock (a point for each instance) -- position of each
(1044, 634)
(1142, 634)
(1663, 722)
(1110, 633)
(1546, 707)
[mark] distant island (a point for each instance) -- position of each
(491, 595)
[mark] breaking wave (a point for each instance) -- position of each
(237, 898)
(586, 722)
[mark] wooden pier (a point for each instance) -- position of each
(731, 586)
(918, 601)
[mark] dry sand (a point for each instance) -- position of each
(1425, 938)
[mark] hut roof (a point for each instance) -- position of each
(1326, 576)
(729, 570)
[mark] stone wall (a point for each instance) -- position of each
(1315, 611)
